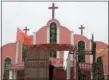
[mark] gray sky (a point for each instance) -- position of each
(34, 15)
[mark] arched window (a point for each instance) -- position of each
(81, 51)
(6, 70)
(100, 71)
(53, 37)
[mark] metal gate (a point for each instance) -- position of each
(37, 60)
(37, 65)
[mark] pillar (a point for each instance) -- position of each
(17, 50)
(72, 37)
(14, 74)
(34, 38)
(58, 40)
(10, 75)
(69, 64)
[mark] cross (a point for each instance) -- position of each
(26, 29)
(81, 27)
(53, 9)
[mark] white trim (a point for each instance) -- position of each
(17, 50)
(58, 40)
(72, 37)
(10, 74)
(69, 64)
(58, 54)
(91, 75)
(34, 38)
(91, 58)
(14, 74)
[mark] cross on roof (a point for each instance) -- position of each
(26, 29)
(81, 28)
(53, 9)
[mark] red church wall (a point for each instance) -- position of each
(64, 38)
(8, 50)
(64, 35)
(78, 38)
(41, 36)
(104, 54)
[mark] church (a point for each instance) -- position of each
(52, 32)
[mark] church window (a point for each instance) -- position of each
(81, 51)
(6, 70)
(53, 37)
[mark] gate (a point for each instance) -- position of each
(37, 65)
(37, 60)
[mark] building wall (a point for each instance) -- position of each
(102, 50)
(41, 36)
(8, 50)
(78, 38)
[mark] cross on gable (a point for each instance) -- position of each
(26, 29)
(81, 28)
(53, 9)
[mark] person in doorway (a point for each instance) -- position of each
(51, 71)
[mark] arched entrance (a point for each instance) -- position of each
(6, 70)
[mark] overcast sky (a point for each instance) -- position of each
(34, 15)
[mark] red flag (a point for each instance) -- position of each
(22, 37)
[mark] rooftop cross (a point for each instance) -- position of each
(26, 29)
(53, 9)
(81, 27)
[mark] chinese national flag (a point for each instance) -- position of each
(24, 38)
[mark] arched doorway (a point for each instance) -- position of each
(6, 70)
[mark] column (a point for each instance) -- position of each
(34, 38)
(72, 42)
(58, 38)
(58, 54)
(65, 59)
(10, 75)
(72, 37)
(17, 50)
(69, 63)
(14, 74)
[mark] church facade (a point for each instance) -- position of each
(52, 32)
